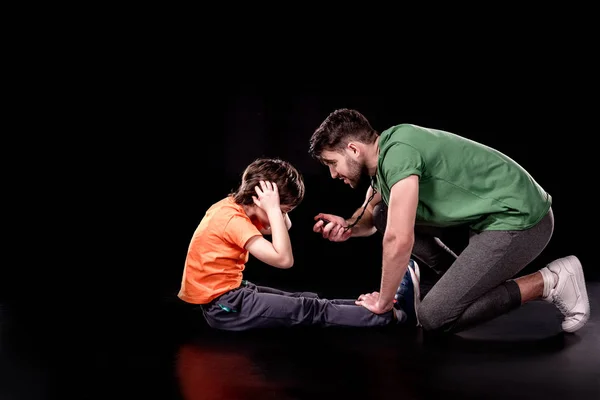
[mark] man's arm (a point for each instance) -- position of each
(366, 225)
(398, 239)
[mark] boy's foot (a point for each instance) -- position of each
(569, 293)
(408, 294)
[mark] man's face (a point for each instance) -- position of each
(343, 166)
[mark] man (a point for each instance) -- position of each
(432, 181)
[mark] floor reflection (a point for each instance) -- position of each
(209, 371)
(295, 364)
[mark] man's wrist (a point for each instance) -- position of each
(384, 306)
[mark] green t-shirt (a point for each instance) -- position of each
(461, 181)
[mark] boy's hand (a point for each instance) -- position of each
(267, 196)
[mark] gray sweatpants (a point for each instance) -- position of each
(251, 306)
(475, 286)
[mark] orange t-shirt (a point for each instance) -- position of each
(216, 255)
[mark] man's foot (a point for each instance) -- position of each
(569, 293)
(408, 294)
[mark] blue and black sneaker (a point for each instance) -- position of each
(408, 294)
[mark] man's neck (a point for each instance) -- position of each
(371, 157)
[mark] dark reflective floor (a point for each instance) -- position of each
(522, 355)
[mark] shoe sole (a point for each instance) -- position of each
(573, 265)
(415, 276)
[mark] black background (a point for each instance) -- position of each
(123, 140)
(144, 148)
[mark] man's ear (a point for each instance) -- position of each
(353, 148)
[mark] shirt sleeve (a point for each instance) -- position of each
(400, 161)
(239, 230)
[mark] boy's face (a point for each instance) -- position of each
(263, 218)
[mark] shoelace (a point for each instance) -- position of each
(560, 304)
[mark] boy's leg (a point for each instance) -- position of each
(407, 295)
(266, 289)
(348, 302)
(243, 309)
(477, 287)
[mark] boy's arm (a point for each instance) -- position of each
(279, 252)
(288, 224)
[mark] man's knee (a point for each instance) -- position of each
(433, 317)
(380, 216)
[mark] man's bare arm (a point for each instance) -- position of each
(399, 238)
(366, 225)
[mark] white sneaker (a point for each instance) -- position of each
(570, 294)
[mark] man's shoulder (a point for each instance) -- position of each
(400, 128)
(403, 133)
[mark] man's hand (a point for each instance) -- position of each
(333, 230)
(370, 301)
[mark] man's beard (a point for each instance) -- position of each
(357, 172)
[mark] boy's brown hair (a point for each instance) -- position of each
(290, 183)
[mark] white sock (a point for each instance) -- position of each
(550, 280)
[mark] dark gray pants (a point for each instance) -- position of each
(474, 282)
(251, 306)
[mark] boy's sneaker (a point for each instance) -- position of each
(569, 294)
(408, 295)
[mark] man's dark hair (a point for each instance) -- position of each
(290, 183)
(340, 127)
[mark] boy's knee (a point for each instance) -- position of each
(309, 295)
